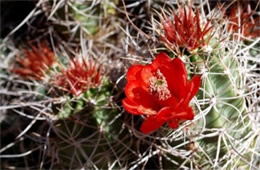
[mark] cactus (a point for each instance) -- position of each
(89, 16)
(62, 110)
(91, 128)
(227, 115)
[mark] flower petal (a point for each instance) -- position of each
(172, 102)
(133, 72)
(183, 114)
(160, 60)
(135, 109)
(189, 113)
(138, 94)
(130, 106)
(173, 124)
(178, 78)
(146, 74)
(168, 114)
(164, 114)
(150, 125)
(192, 89)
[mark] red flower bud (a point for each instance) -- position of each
(184, 30)
(35, 62)
(79, 76)
(241, 21)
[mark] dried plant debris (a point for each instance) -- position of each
(112, 84)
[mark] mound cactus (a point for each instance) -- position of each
(131, 85)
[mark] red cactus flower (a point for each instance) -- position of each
(161, 92)
(35, 62)
(79, 76)
(185, 30)
(241, 21)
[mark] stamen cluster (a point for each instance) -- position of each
(159, 86)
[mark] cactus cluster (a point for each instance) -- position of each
(132, 85)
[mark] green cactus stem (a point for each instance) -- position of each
(222, 85)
